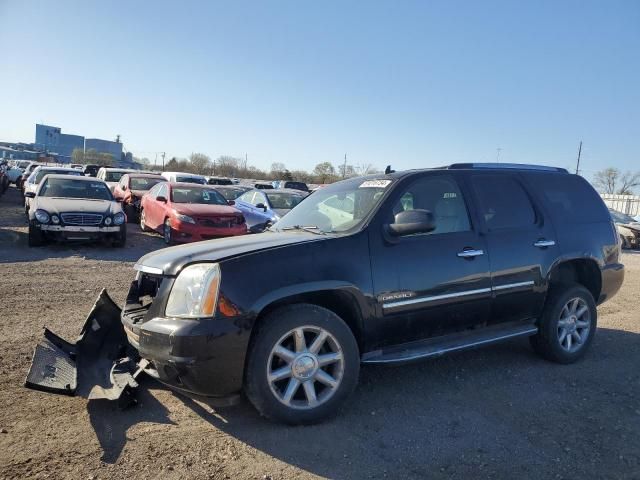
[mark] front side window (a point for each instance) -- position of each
(285, 201)
(112, 176)
(202, 196)
(247, 197)
(143, 183)
(442, 197)
(503, 202)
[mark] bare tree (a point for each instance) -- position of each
(200, 163)
(605, 180)
(611, 180)
(628, 181)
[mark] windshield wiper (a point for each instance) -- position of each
(307, 228)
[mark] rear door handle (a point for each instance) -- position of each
(470, 253)
(544, 243)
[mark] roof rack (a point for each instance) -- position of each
(508, 166)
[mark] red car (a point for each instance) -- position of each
(188, 212)
(130, 190)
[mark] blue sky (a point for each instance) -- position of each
(406, 83)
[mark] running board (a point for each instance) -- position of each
(431, 347)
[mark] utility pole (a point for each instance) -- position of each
(163, 154)
(344, 169)
(155, 160)
(578, 162)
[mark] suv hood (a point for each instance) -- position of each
(170, 260)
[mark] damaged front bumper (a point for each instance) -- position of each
(99, 365)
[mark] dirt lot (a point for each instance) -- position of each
(499, 412)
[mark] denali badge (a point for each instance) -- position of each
(395, 296)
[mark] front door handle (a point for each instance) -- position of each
(470, 253)
(542, 243)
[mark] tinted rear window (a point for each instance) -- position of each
(569, 198)
(503, 202)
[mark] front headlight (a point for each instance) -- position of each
(185, 218)
(195, 292)
(42, 216)
(118, 218)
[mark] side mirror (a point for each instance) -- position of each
(411, 222)
(30, 194)
(262, 206)
(124, 188)
(231, 202)
(162, 199)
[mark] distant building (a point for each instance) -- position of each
(51, 140)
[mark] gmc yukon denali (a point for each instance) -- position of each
(381, 269)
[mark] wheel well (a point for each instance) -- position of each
(339, 302)
(582, 271)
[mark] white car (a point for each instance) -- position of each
(112, 175)
(184, 177)
(31, 184)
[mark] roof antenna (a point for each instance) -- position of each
(388, 170)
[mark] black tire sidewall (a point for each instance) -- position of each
(164, 226)
(547, 338)
(272, 328)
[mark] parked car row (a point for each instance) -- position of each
(181, 207)
(628, 229)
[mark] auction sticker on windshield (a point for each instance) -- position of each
(375, 184)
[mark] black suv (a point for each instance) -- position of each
(380, 269)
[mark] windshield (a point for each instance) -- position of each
(199, 181)
(69, 188)
(337, 208)
(205, 196)
(283, 200)
(113, 176)
(620, 217)
(143, 183)
(231, 193)
(42, 173)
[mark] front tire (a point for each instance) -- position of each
(303, 364)
(35, 238)
(567, 325)
(143, 223)
(167, 232)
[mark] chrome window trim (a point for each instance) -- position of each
(413, 301)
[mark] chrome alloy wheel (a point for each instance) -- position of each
(305, 367)
(574, 325)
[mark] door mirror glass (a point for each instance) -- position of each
(231, 202)
(124, 187)
(411, 222)
(162, 199)
(30, 195)
(262, 206)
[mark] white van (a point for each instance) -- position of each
(184, 177)
(112, 175)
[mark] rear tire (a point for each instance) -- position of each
(567, 325)
(35, 238)
(303, 363)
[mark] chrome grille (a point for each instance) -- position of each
(81, 218)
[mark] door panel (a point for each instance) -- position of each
(521, 242)
(424, 284)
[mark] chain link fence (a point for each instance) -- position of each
(629, 204)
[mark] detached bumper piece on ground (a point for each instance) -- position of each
(99, 365)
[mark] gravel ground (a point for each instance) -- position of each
(498, 412)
